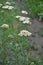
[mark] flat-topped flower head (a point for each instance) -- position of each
(24, 12)
(8, 7)
(8, 3)
(25, 33)
(27, 22)
(5, 26)
(27, 18)
(18, 16)
(21, 18)
(5, 7)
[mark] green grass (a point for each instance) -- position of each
(35, 7)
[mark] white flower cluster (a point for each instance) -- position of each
(24, 19)
(24, 12)
(7, 6)
(8, 3)
(5, 26)
(24, 33)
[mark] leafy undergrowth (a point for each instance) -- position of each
(35, 8)
(14, 50)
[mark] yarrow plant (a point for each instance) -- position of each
(18, 16)
(25, 33)
(16, 48)
(8, 3)
(25, 20)
(5, 26)
(21, 18)
(24, 12)
(8, 7)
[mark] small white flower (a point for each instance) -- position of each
(27, 18)
(24, 12)
(21, 18)
(18, 16)
(24, 33)
(5, 7)
(27, 21)
(8, 3)
(10, 7)
(5, 26)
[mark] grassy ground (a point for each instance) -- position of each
(16, 50)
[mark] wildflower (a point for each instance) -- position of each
(27, 21)
(24, 33)
(27, 18)
(8, 3)
(1, 5)
(10, 36)
(22, 18)
(10, 7)
(6, 26)
(5, 7)
(24, 12)
(18, 16)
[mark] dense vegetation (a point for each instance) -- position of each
(35, 7)
(16, 50)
